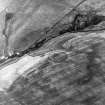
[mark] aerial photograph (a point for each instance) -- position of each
(52, 52)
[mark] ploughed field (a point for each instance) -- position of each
(60, 63)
